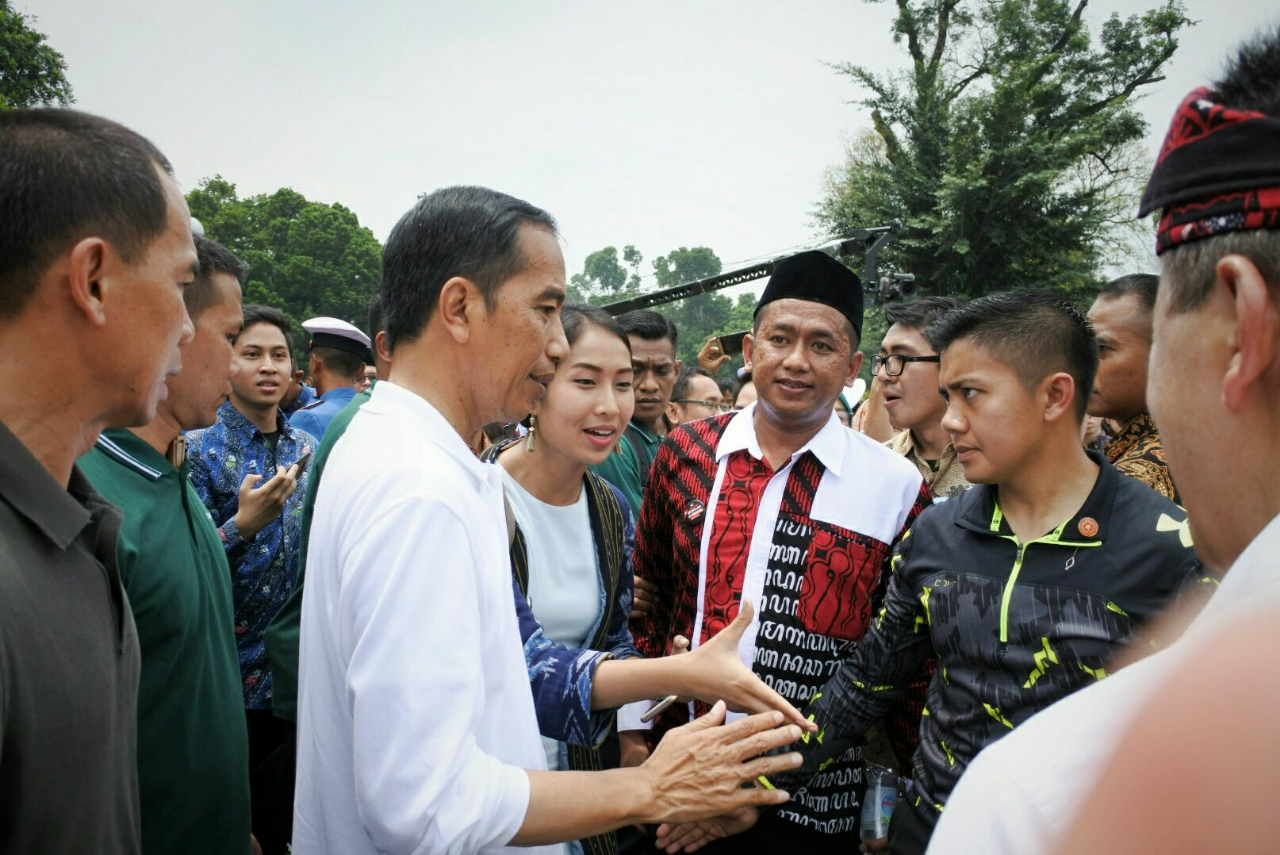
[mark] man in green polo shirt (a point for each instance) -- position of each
(193, 751)
(282, 635)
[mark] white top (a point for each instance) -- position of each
(416, 720)
(866, 488)
(1022, 793)
(564, 579)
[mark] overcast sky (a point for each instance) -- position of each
(659, 124)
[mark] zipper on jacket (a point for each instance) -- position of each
(1008, 593)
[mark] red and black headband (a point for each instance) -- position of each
(1218, 172)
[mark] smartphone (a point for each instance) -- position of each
(731, 344)
(302, 463)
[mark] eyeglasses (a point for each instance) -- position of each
(711, 405)
(894, 363)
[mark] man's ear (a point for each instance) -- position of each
(673, 413)
(748, 349)
(679, 367)
(382, 344)
(88, 282)
(1257, 329)
(855, 367)
(1058, 392)
(458, 308)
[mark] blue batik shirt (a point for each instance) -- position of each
(263, 570)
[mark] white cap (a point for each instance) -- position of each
(331, 332)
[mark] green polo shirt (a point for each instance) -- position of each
(624, 470)
(282, 635)
(193, 750)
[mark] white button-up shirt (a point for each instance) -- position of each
(416, 721)
(1021, 794)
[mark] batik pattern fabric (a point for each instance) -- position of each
(1014, 626)
(945, 482)
(822, 583)
(1216, 173)
(263, 570)
(1137, 452)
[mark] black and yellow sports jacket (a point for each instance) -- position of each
(1015, 626)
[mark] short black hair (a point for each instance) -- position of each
(66, 175)
(727, 386)
(458, 231)
(648, 325)
(577, 317)
(918, 314)
(344, 363)
(1252, 82)
(254, 315)
(214, 258)
(1141, 285)
(377, 319)
(1037, 333)
(681, 387)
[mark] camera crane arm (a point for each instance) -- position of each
(870, 241)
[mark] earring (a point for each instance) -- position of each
(530, 444)
(617, 448)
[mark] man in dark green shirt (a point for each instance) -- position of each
(193, 751)
(282, 635)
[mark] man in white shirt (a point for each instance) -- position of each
(416, 724)
(1214, 388)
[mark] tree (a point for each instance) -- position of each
(1010, 147)
(603, 278)
(32, 74)
(305, 258)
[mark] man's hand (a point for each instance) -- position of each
(692, 836)
(697, 771)
(262, 506)
(880, 844)
(633, 748)
(715, 671)
(712, 356)
(645, 591)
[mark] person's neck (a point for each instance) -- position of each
(930, 439)
(56, 422)
(263, 416)
(437, 377)
(657, 427)
(1048, 489)
(780, 440)
(161, 432)
(326, 384)
(546, 473)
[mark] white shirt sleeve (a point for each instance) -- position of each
(989, 812)
(411, 625)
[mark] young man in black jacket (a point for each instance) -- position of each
(1024, 587)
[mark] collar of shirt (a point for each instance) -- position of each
(1252, 572)
(61, 513)
(828, 445)
(238, 423)
(129, 449)
(1087, 525)
(396, 401)
(341, 394)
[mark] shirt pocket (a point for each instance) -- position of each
(841, 578)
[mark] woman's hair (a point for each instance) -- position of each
(577, 317)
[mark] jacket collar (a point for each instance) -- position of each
(238, 422)
(980, 511)
(128, 449)
(828, 445)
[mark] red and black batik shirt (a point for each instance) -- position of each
(809, 544)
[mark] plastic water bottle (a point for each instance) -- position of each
(878, 805)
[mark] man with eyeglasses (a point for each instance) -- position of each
(696, 395)
(908, 371)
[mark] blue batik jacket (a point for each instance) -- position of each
(263, 570)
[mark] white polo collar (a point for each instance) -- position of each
(829, 445)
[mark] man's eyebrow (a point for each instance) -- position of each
(959, 382)
(902, 348)
(551, 292)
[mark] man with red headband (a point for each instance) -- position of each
(1214, 389)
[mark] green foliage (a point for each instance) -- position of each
(1010, 148)
(32, 74)
(305, 258)
(603, 278)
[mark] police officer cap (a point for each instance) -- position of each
(340, 335)
(819, 278)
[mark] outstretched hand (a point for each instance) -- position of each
(714, 671)
(692, 836)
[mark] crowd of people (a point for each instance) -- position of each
(498, 572)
